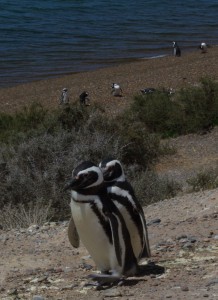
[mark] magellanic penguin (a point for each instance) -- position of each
(122, 194)
(116, 90)
(203, 47)
(176, 49)
(64, 98)
(84, 98)
(148, 91)
(100, 225)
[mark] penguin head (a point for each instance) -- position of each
(115, 86)
(175, 44)
(85, 175)
(112, 170)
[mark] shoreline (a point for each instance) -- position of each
(92, 66)
(161, 72)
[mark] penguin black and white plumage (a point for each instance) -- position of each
(176, 49)
(148, 91)
(64, 98)
(100, 225)
(116, 90)
(203, 47)
(122, 194)
(84, 98)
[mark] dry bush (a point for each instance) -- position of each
(150, 188)
(204, 180)
(22, 216)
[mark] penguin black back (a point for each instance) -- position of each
(123, 195)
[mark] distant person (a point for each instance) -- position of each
(64, 98)
(176, 50)
(83, 98)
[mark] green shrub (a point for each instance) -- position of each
(191, 110)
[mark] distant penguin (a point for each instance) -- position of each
(116, 90)
(84, 98)
(64, 98)
(176, 49)
(203, 47)
(122, 194)
(148, 91)
(100, 225)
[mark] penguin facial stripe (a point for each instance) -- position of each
(83, 198)
(91, 176)
(112, 171)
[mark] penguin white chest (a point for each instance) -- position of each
(92, 234)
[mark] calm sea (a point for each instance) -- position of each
(49, 38)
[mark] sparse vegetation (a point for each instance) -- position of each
(204, 180)
(190, 110)
(39, 148)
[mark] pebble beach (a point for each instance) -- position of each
(162, 72)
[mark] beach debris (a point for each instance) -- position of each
(116, 90)
(64, 98)
(203, 46)
(84, 98)
(176, 49)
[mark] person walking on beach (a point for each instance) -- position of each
(64, 98)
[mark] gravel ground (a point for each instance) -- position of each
(183, 233)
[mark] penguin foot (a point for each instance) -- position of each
(106, 279)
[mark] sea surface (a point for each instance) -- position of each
(50, 38)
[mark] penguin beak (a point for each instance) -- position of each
(70, 184)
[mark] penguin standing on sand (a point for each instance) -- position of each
(100, 225)
(176, 50)
(203, 47)
(84, 98)
(116, 90)
(122, 194)
(64, 98)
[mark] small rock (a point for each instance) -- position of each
(13, 292)
(205, 295)
(38, 298)
(188, 245)
(112, 293)
(33, 228)
(181, 237)
(212, 282)
(215, 237)
(155, 221)
(184, 288)
(192, 239)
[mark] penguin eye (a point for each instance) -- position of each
(84, 176)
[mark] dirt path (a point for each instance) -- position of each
(183, 234)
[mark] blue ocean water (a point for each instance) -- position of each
(45, 38)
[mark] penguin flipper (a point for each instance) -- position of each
(73, 235)
(146, 252)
